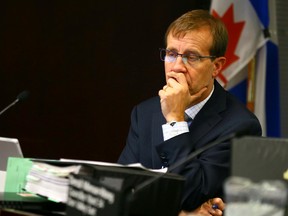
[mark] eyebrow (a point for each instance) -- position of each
(194, 52)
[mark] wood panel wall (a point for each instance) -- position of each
(86, 64)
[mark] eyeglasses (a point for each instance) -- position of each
(190, 59)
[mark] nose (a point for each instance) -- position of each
(179, 65)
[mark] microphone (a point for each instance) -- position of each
(21, 97)
(183, 161)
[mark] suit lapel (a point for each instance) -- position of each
(200, 128)
(209, 115)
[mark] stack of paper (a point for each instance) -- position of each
(50, 181)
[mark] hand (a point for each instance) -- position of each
(206, 209)
(175, 97)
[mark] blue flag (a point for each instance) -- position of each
(252, 70)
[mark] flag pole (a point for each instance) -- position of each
(251, 85)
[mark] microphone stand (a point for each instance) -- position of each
(10, 105)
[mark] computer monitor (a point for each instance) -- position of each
(9, 147)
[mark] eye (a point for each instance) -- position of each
(192, 58)
(170, 53)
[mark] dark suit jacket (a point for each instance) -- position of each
(205, 175)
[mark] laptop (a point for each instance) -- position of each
(9, 147)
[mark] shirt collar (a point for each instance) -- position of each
(192, 111)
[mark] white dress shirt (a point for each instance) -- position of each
(170, 131)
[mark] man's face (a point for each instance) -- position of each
(200, 73)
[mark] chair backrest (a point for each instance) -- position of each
(259, 158)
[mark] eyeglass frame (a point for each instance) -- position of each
(183, 56)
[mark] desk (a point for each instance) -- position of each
(13, 212)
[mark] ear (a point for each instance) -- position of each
(218, 65)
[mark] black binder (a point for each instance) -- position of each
(160, 197)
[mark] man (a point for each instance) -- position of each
(160, 134)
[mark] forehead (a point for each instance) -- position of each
(198, 40)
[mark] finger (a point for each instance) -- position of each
(171, 82)
(219, 202)
(217, 212)
(161, 94)
(212, 203)
(207, 208)
(165, 87)
(178, 77)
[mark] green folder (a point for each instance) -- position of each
(16, 172)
